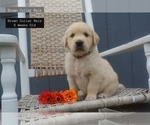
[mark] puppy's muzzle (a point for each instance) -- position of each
(79, 45)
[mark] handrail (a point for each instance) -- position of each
(11, 40)
(128, 47)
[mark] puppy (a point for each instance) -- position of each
(85, 69)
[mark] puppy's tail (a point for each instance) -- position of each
(121, 86)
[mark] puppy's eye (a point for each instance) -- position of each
(72, 35)
(86, 35)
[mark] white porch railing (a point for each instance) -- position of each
(10, 52)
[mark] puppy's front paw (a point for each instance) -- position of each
(81, 95)
(102, 95)
(91, 97)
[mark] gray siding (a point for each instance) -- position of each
(114, 29)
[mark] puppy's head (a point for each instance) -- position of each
(80, 38)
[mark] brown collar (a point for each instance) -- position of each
(86, 54)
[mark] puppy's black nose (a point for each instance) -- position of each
(79, 42)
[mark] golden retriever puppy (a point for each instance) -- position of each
(85, 69)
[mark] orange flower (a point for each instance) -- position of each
(59, 97)
(46, 97)
(70, 95)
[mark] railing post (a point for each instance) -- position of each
(147, 54)
(8, 80)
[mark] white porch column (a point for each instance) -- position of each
(88, 11)
(147, 54)
(24, 68)
(88, 14)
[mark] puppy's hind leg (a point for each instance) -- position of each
(121, 86)
(109, 90)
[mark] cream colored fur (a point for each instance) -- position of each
(91, 74)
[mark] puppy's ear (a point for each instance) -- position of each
(95, 38)
(64, 41)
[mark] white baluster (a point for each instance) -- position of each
(147, 54)
(8, 80)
